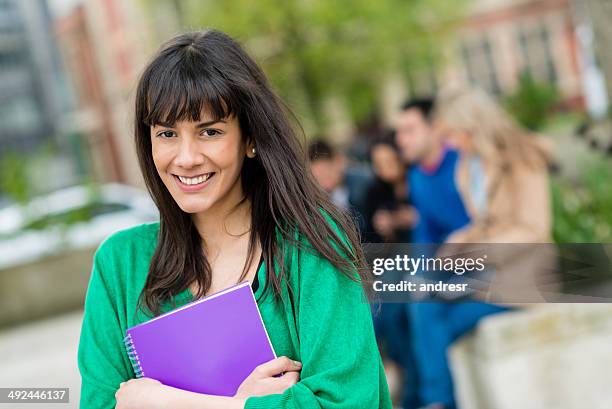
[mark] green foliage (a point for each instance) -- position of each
(583, 212)
(19, 173)
(532, 102)
(22, 176)
(14, 181)
(74, 216)
(317, 48)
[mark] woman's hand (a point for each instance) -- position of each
(383, 223)
(264, 380)
(147, 393)
(142, 393)
(405, 217)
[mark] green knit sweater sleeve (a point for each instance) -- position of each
(102, 361)
(341, 362)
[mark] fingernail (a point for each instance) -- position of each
(297, 363)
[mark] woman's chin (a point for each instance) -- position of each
(193, 208)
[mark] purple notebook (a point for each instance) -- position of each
(208, 346)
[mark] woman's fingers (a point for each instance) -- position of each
(291, 378)
(282, 383)
(272, 377)
(278, 366)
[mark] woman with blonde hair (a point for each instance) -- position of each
(502, 174)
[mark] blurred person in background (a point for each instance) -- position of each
(389, 219)
(440, 212)
(502, 174)
(389, 216)
(431, 176)
(328, 166)
(346, 184)
(502, 178)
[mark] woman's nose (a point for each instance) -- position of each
(189, 155)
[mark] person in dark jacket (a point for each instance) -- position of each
(388, 214)
(389, 218)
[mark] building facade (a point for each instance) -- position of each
(33, 93)
(497, 41)
(500, 40)
(34, 99)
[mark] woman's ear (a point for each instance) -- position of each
(251, 151)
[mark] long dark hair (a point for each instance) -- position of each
(209, 70)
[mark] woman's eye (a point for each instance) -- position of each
(166, 134)
(210, 132)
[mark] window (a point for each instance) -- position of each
(536, 51)
(479, 63)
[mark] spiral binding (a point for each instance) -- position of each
(133, 356)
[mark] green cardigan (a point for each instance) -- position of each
(330, 331)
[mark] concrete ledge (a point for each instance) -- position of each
(548, 356)
(44, 288)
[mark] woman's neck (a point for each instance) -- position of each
(222, 224)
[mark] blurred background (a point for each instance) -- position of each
(69, 175)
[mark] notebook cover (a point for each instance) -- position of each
(208, 346)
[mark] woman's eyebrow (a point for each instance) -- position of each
(209, 123)
(200, 125)
(164, 124)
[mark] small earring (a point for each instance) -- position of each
(253, 150)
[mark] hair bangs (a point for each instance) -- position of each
(185, 93)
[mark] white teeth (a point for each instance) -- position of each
(197, 180)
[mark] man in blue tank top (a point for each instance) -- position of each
(431, 179)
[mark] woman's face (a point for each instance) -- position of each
(387, 164)
(200, 162)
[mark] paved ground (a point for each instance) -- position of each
(42, 354)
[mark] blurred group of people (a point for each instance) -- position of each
(455, 169)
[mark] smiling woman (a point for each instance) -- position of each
(193, 157)
(236, 202)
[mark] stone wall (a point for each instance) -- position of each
(547, 356)
(44, 288)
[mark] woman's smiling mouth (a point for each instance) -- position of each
(191, 183)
